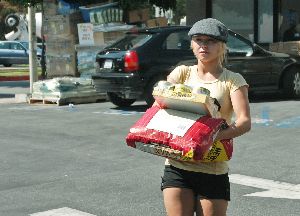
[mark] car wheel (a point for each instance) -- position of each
(118, 101)
(7, 65)
(291, 83)
(12, 20)
(149, 89)
(39, 61)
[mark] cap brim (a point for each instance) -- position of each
(212, 36)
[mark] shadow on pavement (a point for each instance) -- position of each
(137, 108)
(269, 97)
(7, 95)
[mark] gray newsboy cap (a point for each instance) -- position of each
(210, 27)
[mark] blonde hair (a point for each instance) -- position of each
(223, 54)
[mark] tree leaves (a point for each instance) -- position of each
(25, 3)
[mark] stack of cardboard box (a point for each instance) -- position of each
(143, 16)
(94, 35)
(61, 35)
(289, 47)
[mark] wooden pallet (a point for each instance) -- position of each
(68, 100)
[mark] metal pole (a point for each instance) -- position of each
(32, 47)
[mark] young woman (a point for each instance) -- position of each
(196, 185)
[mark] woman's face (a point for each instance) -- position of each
(205, 48)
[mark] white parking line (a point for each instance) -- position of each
(273, 189)
(65, 211)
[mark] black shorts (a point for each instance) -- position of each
(203, 185)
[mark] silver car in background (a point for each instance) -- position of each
(15, 52)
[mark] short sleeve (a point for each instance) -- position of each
(178, 75)
(237, 81)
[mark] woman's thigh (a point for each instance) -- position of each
(179, 201)
(211, 207)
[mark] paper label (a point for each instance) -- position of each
(85, 33)
(176, 125)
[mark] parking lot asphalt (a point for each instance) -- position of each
(74, 159)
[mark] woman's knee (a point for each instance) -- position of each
(212, 207)
(179, 201)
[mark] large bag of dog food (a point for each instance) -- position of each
(180, 135)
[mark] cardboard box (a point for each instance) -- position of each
(106, 38)
(62, 24)
(60, 45)
(61, 65)
(140, 15)
(157, 22)
(50, 7)
(289, 47)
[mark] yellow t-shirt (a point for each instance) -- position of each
(220, 89)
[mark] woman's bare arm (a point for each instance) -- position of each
(240, 103)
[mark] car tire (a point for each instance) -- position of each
(291, 83)
(7, 65)
(39, 61)
(149, 89)
(12, 20)
(118, 101)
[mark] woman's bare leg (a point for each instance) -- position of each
(179, 201)
(212, 207)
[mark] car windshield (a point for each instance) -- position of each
(238, 47)
(25, 44)
(131, 40)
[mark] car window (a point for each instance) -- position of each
(25, 44)
(236, 46)
(177, 41)
(131, 41)
(16, 46)
(4, 45)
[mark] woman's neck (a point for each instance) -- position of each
(209, 69)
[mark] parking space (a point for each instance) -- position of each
(75, 159)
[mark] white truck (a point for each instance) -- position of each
(20, 23)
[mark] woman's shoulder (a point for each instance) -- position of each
(180, 74)
(234, 80)
(230, 75)
(185, 70)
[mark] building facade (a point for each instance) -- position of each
(262, 21)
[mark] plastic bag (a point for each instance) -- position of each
(180, 135)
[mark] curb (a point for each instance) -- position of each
(15, 78)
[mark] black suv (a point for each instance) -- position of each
(130, 67)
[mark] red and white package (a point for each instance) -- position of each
(180, 135)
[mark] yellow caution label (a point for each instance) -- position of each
(216, 153)
(188, 156)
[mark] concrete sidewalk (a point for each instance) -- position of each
(14, 91)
